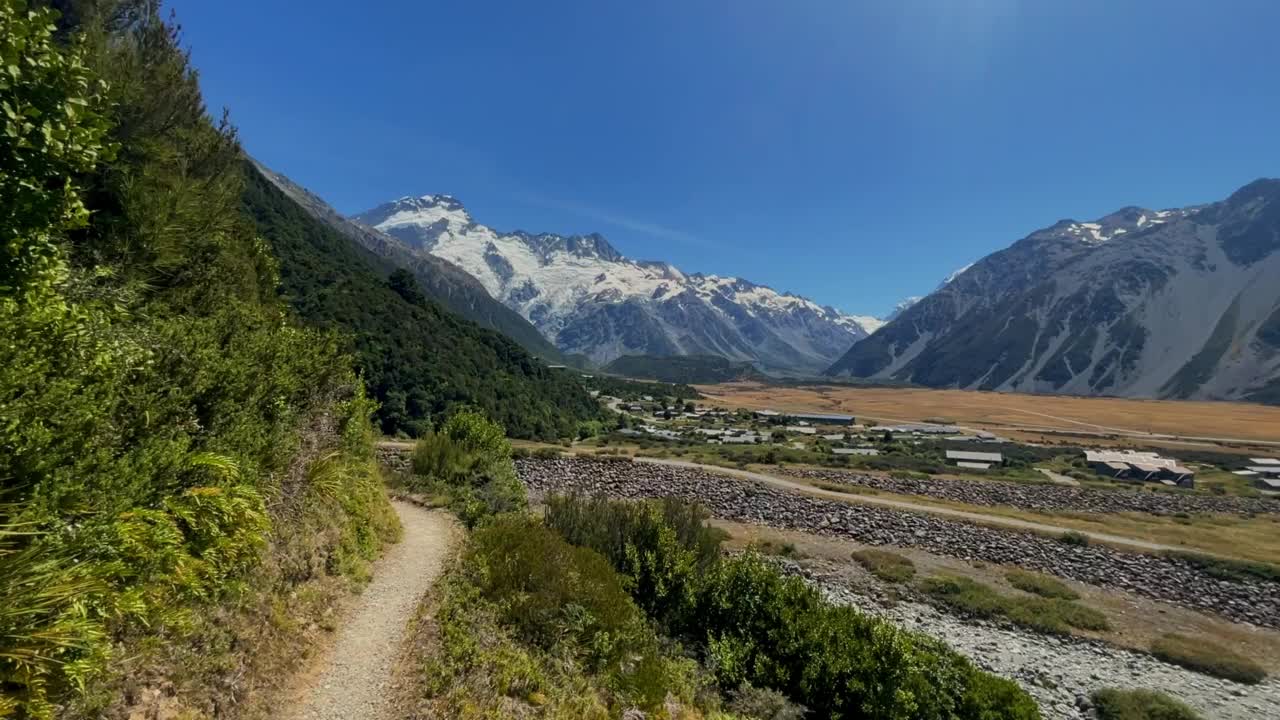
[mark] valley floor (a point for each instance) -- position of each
(355, 678)
(1143, 594)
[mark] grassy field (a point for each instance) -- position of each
(1004, 411)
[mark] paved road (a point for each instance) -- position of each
(980, 518)
(354, 680)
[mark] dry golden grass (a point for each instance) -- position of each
(1005, 411)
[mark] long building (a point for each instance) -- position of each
(1139, 467)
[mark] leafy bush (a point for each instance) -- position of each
(1208, 658)
(759, 627)
(1115, 704)
(659, 547)
(1040, 584)
(152, 389)
(888, 566)
(568, 600)
(468, 460)
(1052, 615)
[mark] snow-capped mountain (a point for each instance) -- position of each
(588, 298)
(1168, 303)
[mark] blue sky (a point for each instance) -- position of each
(854, 152)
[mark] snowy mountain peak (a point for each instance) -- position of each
(586, 297)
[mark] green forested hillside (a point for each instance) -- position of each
(439, 279)
(179, 459)
(417, 358)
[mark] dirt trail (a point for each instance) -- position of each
(353, 679)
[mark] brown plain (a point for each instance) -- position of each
(1197, 420)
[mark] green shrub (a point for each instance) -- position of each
(1052, 615)
(469, 461)
(1072, 537)
(888, 566)
(659, 547)
(568, 600)
(1115, 704)
(1208, 658)
(769, 631)
(1040, 584)
(1229, 568)
(153, 389)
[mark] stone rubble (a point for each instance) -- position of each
(1158, 577)
(1059, 672)
(1037, 496)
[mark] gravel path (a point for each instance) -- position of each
(354, 679)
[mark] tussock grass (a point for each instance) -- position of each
(1206, 657)
(1049, 615)
(1042, 585)
(888, 566)
(1116, 704)
(1230, 569)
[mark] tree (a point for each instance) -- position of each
(51, 130)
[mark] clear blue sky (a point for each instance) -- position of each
(855, 152)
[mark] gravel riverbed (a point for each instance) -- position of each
(1059, 672)
(1158, 577)
(1037, 496)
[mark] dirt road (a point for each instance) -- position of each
(353, 679)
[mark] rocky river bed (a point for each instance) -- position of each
(1043, 496)
(1158, 577)
(1059, 672)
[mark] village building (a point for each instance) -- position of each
(1139, 467)
(974, 460)
(855, 451)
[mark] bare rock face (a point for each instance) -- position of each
(1158, 577)
(1176, 303)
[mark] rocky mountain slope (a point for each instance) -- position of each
(438, 278)
(587, 298)
(1178, 303)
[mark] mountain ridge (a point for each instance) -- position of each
(587, 297)
(1135, 303)
(438, 278)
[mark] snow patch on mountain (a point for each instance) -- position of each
(586, 297)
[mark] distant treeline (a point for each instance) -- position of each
(683, 368)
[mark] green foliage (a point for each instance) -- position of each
(888, 566)
(468, 460)
(1116, 704)
(1208, 658)
(1050, 615)
(567, 600)
(1229, 568)
(418, 360)
(51, 129)
(1042, 585)
(152, 392)
(1072, 537)
(759, 627)
(659, 547)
